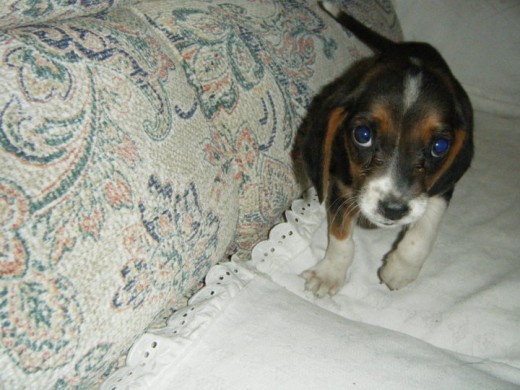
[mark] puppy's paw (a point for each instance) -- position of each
(396, 273)
(323, 279)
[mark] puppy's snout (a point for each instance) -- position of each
(393, 209)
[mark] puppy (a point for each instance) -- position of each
(385, 145)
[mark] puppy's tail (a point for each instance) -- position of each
(375, 41)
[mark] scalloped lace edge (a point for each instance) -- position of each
(158, 349)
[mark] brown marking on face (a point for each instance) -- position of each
(335, 120)
(383, 117)
(385, 129)
(456, 146)
(427, 127)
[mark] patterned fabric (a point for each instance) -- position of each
(140, 144)
(23, 12)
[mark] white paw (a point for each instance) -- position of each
(324, 278)
(396, 273)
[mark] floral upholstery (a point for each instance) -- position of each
(140, 143)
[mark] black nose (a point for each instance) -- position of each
(393, 209)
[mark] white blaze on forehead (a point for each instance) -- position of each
(416, 61)
(412, 89)
(383, 187)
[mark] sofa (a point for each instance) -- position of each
(142, 142)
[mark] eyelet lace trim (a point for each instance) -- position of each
(158, 349)
(287, 239)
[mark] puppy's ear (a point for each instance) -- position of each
(463, 145)
(322, 129)
(329, 110)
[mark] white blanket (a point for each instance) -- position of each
(456, 327)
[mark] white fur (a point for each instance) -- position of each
(416, 61)
(382, 188)
(328, 276)
(412, 89)
(403, 264)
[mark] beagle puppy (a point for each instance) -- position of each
(384, 146)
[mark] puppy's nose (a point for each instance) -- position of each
(393, 209)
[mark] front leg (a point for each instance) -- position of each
(403, 264)
(328, 276)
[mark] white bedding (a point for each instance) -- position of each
(456, 327)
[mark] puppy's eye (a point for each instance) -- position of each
(362, 136)
(440, 147)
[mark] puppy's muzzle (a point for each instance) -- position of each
(393, 209)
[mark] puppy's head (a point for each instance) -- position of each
(393, 131)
